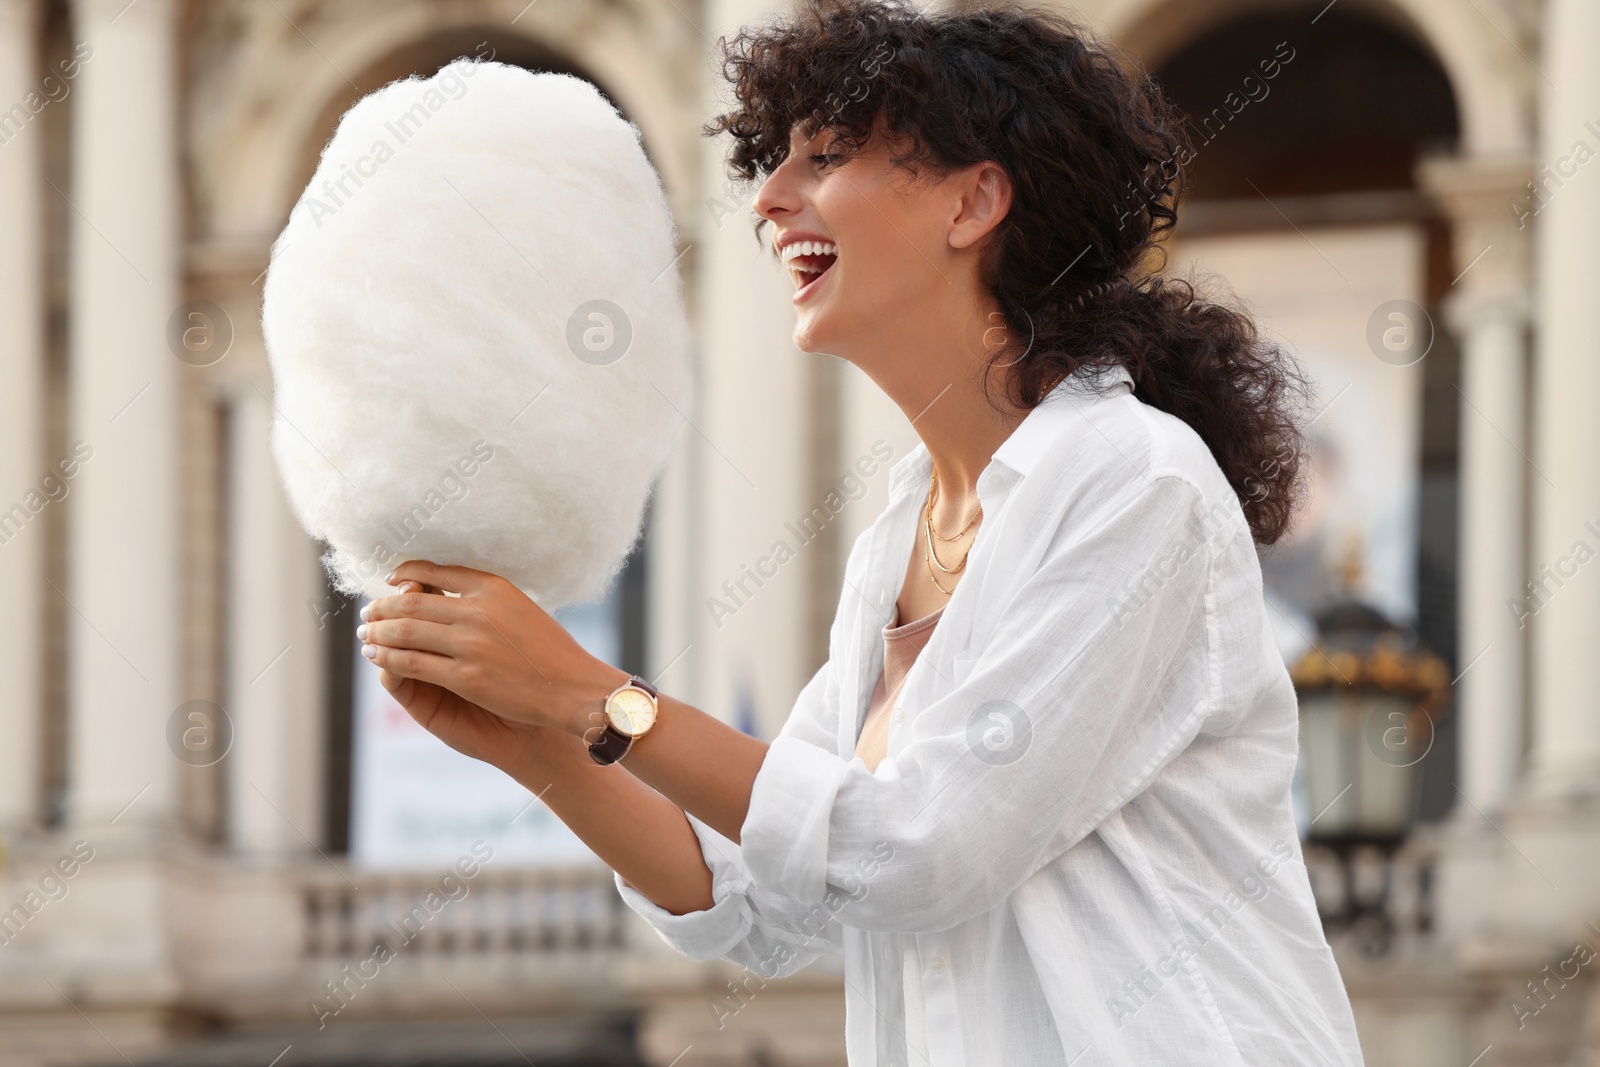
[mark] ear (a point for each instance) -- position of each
(983, 197)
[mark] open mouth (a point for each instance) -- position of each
(808, 262)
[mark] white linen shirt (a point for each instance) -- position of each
(1079, 849)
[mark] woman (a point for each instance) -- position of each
(1039, 794)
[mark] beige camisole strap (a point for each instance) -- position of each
(901, 645)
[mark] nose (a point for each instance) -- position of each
(778, 196)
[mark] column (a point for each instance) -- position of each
(22, 461)
(124, 533)
(1488, 312)
(754, 426)
(275, 649)
(1566, 632)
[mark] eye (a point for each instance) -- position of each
(826, 158)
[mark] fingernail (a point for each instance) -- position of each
(388, 579)
(361, 632)
(370, 651)
(366, 612)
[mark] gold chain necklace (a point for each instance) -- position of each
(932, 558)
(935, 581)
(932, 490)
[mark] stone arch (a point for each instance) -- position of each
(1272, 110)
(261, 94)
(1489, 78)
(280, 91)
(423, 57)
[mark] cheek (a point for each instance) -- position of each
(891, 274)
(873, 268)
(892, 249)
(880, 268)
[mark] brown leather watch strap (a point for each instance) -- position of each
(612, 745)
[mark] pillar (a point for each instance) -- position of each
(754, 430)
(275, 649)
(1566, 631)
(22, 461)
(124, 637)
(1488, 312)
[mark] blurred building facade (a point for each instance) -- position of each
(1353, 161)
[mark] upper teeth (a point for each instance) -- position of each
(809, 248)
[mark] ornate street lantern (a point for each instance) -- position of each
(1369, 700)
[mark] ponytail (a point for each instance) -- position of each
(1197, 361)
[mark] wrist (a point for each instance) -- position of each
(587, 702)
(543, 754)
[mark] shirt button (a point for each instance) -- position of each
(899, 716)
(937, 964)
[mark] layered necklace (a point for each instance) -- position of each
(932, 558)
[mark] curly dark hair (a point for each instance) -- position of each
(1095, 160)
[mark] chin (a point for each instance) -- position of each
(807, 337)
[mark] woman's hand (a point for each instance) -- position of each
(490, 648)
(467, 727)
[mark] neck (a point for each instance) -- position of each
(961, 431)
(933, 368)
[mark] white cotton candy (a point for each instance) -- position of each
(445, 387)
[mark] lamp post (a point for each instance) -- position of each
(1369, 698)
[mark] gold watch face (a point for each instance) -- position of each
(631, 711)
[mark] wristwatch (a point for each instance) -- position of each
(630, 711)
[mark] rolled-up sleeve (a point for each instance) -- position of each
(1096, 675)
(748, 924)
(713, 932)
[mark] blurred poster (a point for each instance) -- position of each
(1344, 300)
(417, 803)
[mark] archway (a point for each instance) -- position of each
(1325, 122)
(613, 628)
(423, 58)
(1301, 148)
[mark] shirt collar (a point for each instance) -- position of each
(1027, 442)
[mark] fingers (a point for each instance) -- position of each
(396, 685)
(411, 663)
(408, 584)
(419, 634)
(415, 605)
(463, 581)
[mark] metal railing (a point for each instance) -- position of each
(495, 913)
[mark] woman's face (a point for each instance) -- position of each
(867, 249)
